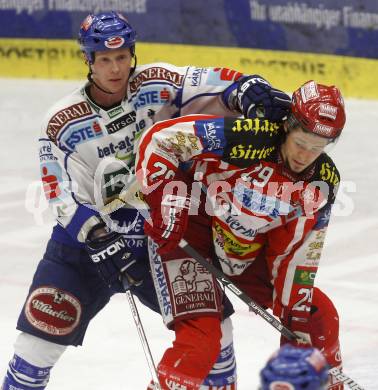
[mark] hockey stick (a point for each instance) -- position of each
(123, 198)
(256, 308)
(143, 340)
(129, 194)
(225, 281)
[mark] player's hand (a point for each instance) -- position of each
(257, 98)
(298, 323)
(168, 220)
(112, 257)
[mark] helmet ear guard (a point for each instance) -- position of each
(105, 31)
(318, 109)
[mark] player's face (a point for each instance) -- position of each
(111, 69)
(301, 149)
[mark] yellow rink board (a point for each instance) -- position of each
(61, 59)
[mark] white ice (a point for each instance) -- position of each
(112, 357)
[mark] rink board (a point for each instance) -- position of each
(61, 59)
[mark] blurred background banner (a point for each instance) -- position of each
(346, 27)
(286, 41)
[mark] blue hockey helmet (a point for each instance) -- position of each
(293, 368)
(105, 31)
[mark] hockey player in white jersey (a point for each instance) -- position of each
(87, 147)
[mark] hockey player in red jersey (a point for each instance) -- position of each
(270, 190)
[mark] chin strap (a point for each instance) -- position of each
(90, 79)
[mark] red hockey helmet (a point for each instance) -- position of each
(318, 109)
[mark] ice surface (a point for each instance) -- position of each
(112, 357)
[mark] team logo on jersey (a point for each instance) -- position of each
(323, 217)
(51, 175)
(237, 226)
(196, 76)
(121, 123)
(222, 76)
(160, 281)
(231, 245)
(192, 287)
(61, 118)
(53, 311)
(115, 111)
(211, 134)
(304, 276)
(115, 181)
(155, 96)
(80, 133)
(256, 126)
(245, 154)
(114, 42)
(122, 149)
(46, 152)
(156, 73)
(329, 174)
(314, 250)
(259, 203)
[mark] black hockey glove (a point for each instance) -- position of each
(113, 259)
(257, 98)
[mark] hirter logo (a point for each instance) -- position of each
(114, 42)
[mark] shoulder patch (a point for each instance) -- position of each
(328, 171)
(59, 120)
(156, 73)
(250, 140)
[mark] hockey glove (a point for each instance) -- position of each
(298, 323)
(113, 259)
(168, 220)
(257, 98)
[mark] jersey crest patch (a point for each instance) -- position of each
(53, 311)
(59, 120)
(156, 73)
(191, 286)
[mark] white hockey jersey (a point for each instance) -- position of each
(87, 152)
